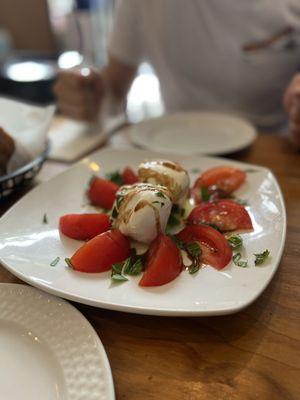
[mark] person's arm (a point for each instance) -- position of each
(291, 102)
(80, 92)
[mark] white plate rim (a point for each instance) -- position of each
(153, 310)
(135, 137)
(63, 304)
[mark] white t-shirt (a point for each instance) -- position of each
(218, 55)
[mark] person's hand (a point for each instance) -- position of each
(79, 93)
(291, 102)
(7, 147)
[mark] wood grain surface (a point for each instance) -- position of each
(254, 354)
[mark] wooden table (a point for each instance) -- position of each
(250, 355)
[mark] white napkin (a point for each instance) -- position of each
(27, 124)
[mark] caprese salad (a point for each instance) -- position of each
(153, 223)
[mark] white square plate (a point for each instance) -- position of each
(27, 245)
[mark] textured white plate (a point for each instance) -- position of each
(48, 349)
(27, 246)
(194, 133)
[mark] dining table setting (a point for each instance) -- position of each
(232, 334)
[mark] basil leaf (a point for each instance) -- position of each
(160, 194)
(193, 249)
(179, 243)
(116, 268)
(205, 195)
(55, 262)
(173, 221)
(237, 261)
(133, 268)
(119, 278)
(115, 177)
(45, 219)
(235, 241)
(236, 257)
(260, 258)
(193, 268)
(69, 263)
(119, 200)
(242, 264)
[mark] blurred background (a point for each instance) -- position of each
(39, 37)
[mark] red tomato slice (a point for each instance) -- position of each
(224, 179)
(129, 177)
(101, 252)
(215, 249)
(227, 215)
(163, 263)
(83, 226)
(102, 192)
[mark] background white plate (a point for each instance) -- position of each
(48, 349)
(27, 246)
(194, 133)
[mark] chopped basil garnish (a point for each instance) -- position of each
(119, 278)
(116, 273)
(45, 219)
(237, 261)
(119, 200)
(69, 263)
(205, 196)
(193, 268)
(260, 258)
(115, 177)
(173, 221)
(193, 249)
(133, 268)
(116, 268)
(55, 262)
(235, 241)
(155, 202)
(175, 216)
(160, 194)
(179, 243)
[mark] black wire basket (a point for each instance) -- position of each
(23, 176)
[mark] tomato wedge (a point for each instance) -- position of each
(215, 249)
(101, 252)
(221, 180)
(129, 177)
(227, 215)
(83, 226)
(164, 262)
(102, 192)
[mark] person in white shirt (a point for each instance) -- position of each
(233, 56)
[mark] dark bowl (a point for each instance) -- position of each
(17, 180)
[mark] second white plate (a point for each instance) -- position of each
(48, 349)
(195, 133)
